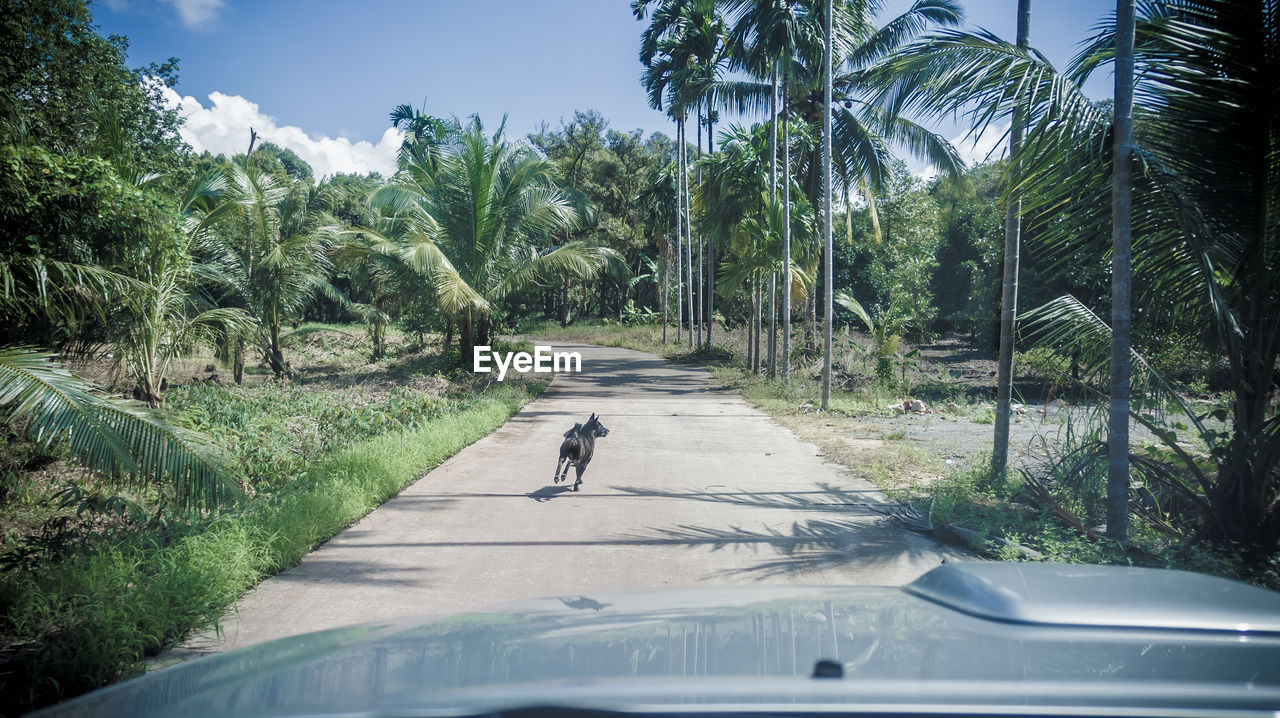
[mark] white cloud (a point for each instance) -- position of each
(223, 128)
(196, 14)
(991, 144)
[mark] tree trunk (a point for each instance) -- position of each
(448, 336)
(466, 341)
(826, 212)
(688, 231)
(1121, 197)
(756, 308)
(1009, 290)
(377, 339)
(237, 360)
(679, 240)
(773, 325)
(786, 235)
(773, 195)
(711, 255)
(811, 322)
(565, 309)
(276, 356)
(484, 331)
(663, 289)
(700, 313)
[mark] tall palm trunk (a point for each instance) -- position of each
(711, 256)
(566, 310)
(786, 234)
(448, 336)
(773, 191)
(826, 211)
(688, 232)
(811, 322)
(679, 237)
(702, 267)
(1121, 196)
(1009, 290)
(755, 323)
(664, 288)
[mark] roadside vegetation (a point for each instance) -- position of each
(98, 579)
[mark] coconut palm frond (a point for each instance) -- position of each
(575, 259)
(847, 301)
(1067, 325)
(122, 442)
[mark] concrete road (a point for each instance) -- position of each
(692, 486)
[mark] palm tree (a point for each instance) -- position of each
(165, 316)
(424, 134)
(657, 200)
(731, 193)
(1204, 200)
(683, 51)
(166, 310)
(484, 215)
(270, 243)
(740, 215)
(863, 128)
(762, 35)
(378, 256)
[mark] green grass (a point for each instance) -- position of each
(272, 432)
(983, 415)
(90, 620)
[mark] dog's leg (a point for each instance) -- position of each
(559, 464)
(580, 468)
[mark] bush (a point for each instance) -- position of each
(91, 620)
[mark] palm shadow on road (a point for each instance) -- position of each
(858, 538)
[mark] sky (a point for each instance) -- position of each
(321, 77)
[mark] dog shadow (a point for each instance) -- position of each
(546, 493)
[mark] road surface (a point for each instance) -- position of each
(692, 486)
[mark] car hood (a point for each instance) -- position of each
(996, 638)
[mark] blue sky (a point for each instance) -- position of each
(321, 77)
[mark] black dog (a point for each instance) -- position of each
(578, 447)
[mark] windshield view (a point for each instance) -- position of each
(763, 356)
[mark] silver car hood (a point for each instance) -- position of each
(982, 638)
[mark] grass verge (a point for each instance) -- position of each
(92, 619)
